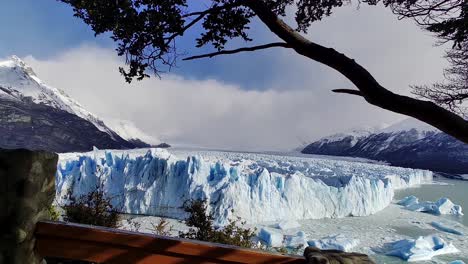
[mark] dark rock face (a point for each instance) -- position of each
(317, 256)
(425, 150)
(41, 127)
(163, 145)
(26, 194)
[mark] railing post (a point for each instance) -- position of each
(27, 189)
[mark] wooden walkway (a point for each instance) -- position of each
(107, 245)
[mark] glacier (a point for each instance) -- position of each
(256, 187)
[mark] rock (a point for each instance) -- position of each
(27, 191)
(314, 255)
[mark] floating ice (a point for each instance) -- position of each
(288, 224)
(440, 207)
(423, 248)
(457, 262)
(271, 237)
(296, 241)
(409, 200)
(338, 242)
(445, 228)
(255, 187)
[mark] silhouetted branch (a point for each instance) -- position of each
(347, 91)
(225, 52)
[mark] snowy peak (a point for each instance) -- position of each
(19, 83)
(128, 131)
(408, 143)
(409, 124)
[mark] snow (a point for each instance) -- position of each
(443, 206)
(19, 82)
(128, 131)
(408, 124)
(288, 224)
(255, 187)
(444, 228)
(271, 237)
(337, 242)
(356, 134)
(404, 125)
(420, 249)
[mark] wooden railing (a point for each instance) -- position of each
(106, 245)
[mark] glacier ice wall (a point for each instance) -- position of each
(256, 187)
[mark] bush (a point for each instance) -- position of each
(93, 208)
(162, 228)
(54, 214)
(202, 227)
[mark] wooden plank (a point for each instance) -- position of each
(106, 245)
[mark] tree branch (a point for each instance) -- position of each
(370, 89)
(225, 52)
(348, 91)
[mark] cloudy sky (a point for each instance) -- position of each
(267, 100)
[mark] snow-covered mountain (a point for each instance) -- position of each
(37, 116)
(409, 143)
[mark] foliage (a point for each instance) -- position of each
(453, 92)
(282, 250)
(53, 213)
(162, 227)
(93, 208)
(146, 30)
(202, 227)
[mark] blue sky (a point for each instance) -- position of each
(272, 99)
(47, 27)
(42, 28)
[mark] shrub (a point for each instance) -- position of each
(202, 227)
(54, 214)
(162, 227)
(93, 208)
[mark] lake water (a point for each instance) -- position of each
(455, 190)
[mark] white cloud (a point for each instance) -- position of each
(298, 106)
(203, 113)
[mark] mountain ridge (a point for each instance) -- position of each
(27, 102)
(409, 143)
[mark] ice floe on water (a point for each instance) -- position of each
(256, 187)
(296, 241)
(445, 228)
(443, 206)
(420, 249)
(271, 237)
(337, 242)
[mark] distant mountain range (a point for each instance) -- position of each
(36, 116)
(409, 143)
